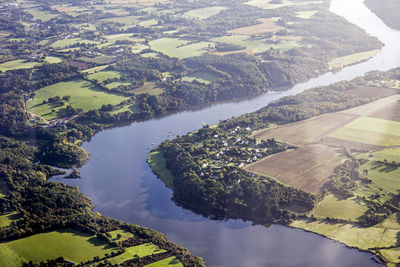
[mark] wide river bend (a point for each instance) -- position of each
(121, 185)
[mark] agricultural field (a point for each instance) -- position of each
(383, 132)
(201, 76)
(340, 208)
(71, 41)
(307, 131)
(179, 48)
(104, 75)
(255, 45)
(71, 244)
(204, 13)
(84, 95)
(95, 69)
(391, 112)
(269, 4)
(171, 261)
(42, 15)
(114, 85)
(140, 251)
(264, 26)
(305, 14)
(340, 62)
(307, 168)
(122, 37)
(23, 64)
(120, 235)
(352, 235)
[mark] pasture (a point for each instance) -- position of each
(171, 261)
(6, 219)
(24, 64)
(104, 75)
(255, 45)
(62, 43)
(340, 62)
(114, 85)
(71, 244)
(307, 168)
(264, 26)
(351, 235)
(334, 207)
(42, 15)
(140, 251)
(371, 131)
(201, 76)
(120, 235)
(84, 95)
(179, 48)
(204, 13)
(270, 4)
(305, 14)
(95, 69)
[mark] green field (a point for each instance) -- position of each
(305, 14)
(201, 76)
(95, 69)
(71, 244)
(266, 4)
(120, 235)
(149, 23)
(84, 95)
(384, 176)
(42, 15)
(347, 209)
(123, 37)
(116, 84)
(351, 235)
(253, 44)
(102, 76)
(4, 189)
(157, 163)
(340, 62)
(140, 251)
(6, 219)
(171, 261)
(179, 48)
(71, 41)
(204, 13)
(23, 64)
(371, 131)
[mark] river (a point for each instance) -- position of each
(121, 185)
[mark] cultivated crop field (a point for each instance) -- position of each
(270, 4)
(391, 112)
(264, 26)
(307, 131)
(171, 261)
(371, 131)
(307, 168)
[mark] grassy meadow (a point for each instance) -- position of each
(204, 13)
(140, 251)
(84, 95)
(23, 64)
(171, 261)
(71, 244)
(179, 48)
(201, 76)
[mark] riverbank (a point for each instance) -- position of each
(206, 166)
